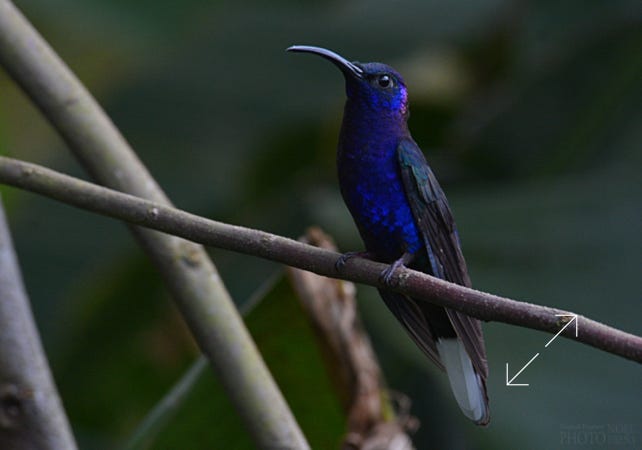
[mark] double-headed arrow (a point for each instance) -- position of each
(573, 319)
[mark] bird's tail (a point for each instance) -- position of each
(466, 384)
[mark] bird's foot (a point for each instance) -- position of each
(343, 259)
(387, 274)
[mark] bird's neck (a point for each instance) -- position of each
(370, 133)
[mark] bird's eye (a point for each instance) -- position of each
(385, 81)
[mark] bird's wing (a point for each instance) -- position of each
(435, 222)
(410, 314)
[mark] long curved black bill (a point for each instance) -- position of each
(346, 66)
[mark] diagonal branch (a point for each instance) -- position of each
(142, 212)
(31, 413)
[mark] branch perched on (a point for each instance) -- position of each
(149, 214)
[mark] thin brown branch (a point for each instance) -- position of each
(478, 304)
(31, 413)
(185, 267)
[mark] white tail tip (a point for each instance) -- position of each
(464, 381)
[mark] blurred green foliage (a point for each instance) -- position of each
(207, 418)
(529, 112)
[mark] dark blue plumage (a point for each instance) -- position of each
(403, 217)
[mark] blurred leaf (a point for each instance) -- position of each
(124, 346)
(163, 412)
(287, 343)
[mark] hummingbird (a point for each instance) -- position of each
(404, 219)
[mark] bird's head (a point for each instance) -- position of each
(376, 85)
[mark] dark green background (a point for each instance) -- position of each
(529, 113)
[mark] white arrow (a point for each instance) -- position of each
(510, 382)
(573, 319)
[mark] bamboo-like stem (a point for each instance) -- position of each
(478, 304)
(186, 268)
(31, 413)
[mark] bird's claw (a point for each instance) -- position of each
(387, 275)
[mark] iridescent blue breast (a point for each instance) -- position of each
(374, 193)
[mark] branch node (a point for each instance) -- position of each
(189, 254)
(12, 404)
(402, 278)
(28, 171)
